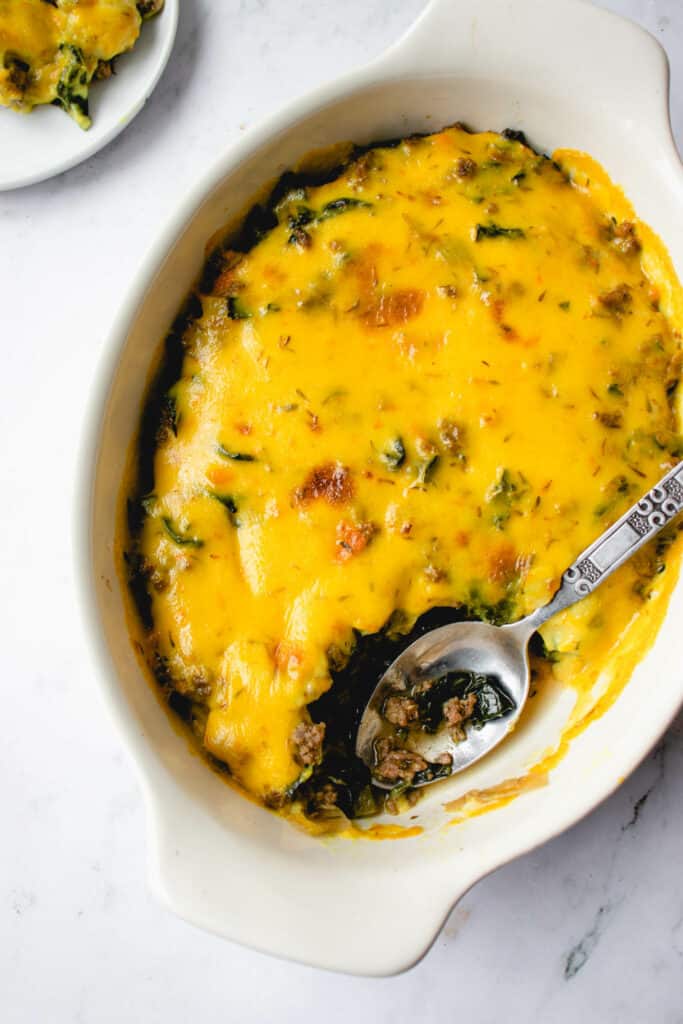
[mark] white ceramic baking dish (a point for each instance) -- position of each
(569, 75)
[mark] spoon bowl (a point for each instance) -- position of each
(497, 651)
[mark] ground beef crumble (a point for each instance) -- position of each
(395, 765)
(612, 420)
(307, 740)
(617, 300)
(323, 800)
(465, 167)
(624, 238)
(452, 437)
(456, 712)
(401, 711)
(352, 538)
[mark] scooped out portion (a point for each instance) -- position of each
(409, 708)
(407, 391)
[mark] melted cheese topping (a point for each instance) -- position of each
(432, 383)
(49, 52)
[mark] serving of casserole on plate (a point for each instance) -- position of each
(411, 384)
(96, 60)
(51, 50)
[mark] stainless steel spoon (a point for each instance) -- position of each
(498, 651)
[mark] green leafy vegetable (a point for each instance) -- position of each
(398, 790)
(497, 614)
(229, 504)
(430, 773)
(504, 494)
(426, 468)
(148, 8)
(179, 538)
(149, 504)
(334, 395)
(496, 231)
(451, 249)
(181, 705)
(365, 804)
(303, 777)
(341, 205)
(227, 453)
(169, 417)
(539, 648)
(297, 222)
(615, 491)
(72, 87)
(426, 465)
(515, 135)
(393, 456)
(303, 216)
(492, 699)
(19, 72)
(236, 311)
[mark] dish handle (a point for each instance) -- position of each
(611, 60)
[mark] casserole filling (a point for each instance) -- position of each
(51, 50)
(406, 391)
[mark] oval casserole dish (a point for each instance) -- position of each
(215, 859)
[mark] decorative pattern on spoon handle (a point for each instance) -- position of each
(645, 519)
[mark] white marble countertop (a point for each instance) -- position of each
(589, 927)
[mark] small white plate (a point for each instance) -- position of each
(46, 142)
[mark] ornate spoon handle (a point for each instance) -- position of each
(640, 524)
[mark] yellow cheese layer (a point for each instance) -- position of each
(49, 52)
(432, 383)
